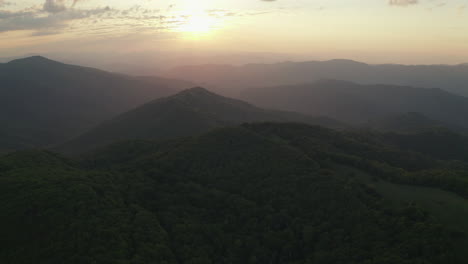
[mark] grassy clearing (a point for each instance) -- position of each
(446, 207)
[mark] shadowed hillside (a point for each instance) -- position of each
(258, 193)
(411, 122)
(189, 112)
(356, 103)
(45, 102)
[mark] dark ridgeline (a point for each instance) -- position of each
(258, 193)
(44, 102)
(359, 104)
(187, 113)
(410, 122)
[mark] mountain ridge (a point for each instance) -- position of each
(410, 122)
(189, 112)
(37, 59)
(357, 104)
(46, 102)
(231, 79)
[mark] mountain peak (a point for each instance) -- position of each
(334, 82)
(346, 62)
(196, 91)
(33, 60)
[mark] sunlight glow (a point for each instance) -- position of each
(197, 25)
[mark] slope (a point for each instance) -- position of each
(258, 193)
(411, 122)
(232, 79)
(356, 103)
(43, 102)
(189, 112)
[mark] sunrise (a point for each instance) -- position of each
(233, 132)
(370, 30)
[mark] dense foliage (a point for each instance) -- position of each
(259, 193)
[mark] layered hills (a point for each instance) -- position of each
(187, 113)
(43, 102)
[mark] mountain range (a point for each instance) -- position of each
(358, 104)
(121, 169)
(190, 112)
(230, 80)
(43, 102)
(411, 122)
(46, 103)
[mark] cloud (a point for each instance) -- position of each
(44, 33)
(61, 16)
(5, 3)
(38, 20)
(403, 2)
(76, 2)
(461, 9)
(54, 6)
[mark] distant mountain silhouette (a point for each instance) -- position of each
(356, 103)
(230, 79)
(187, 113)
(44, 102)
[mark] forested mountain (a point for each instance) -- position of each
(358, 104)
(189, 112)
(232, 79)
(43, 102)
(411, 122)
(438, 142)
(258, 193)
(217, 187)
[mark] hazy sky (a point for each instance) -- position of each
(399, 31)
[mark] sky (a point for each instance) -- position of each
(373, 31)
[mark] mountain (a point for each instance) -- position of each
(43, 102)
(358, 104)
(415, 132)
(187, 113)
(228, 79)
(411, 122)
(256, 193)
(440, 142)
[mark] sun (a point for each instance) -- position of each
(196, 25)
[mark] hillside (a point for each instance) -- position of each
(438, 142)
(258, 193)
(411, 122)
(189, 112)
(228, 79)
(45, 102)
(359, 104)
